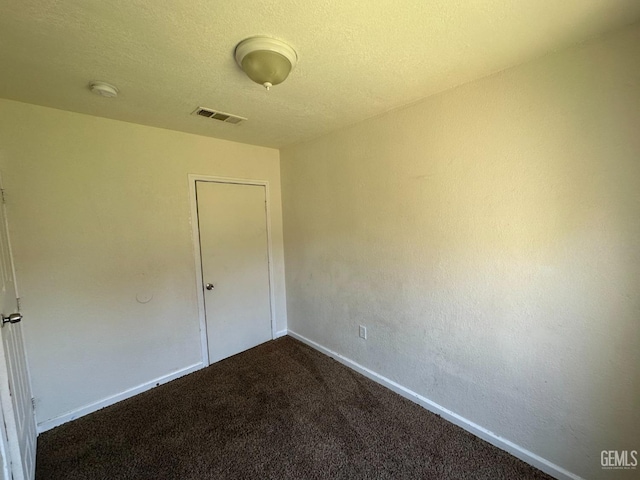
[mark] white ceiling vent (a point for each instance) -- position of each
(220, 116)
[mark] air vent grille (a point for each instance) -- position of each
(220, 116)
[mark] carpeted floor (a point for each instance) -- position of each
(280, 410)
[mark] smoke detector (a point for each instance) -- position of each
(104, 89)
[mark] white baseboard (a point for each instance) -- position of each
(481, 432)
(105, 402)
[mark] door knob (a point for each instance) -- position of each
(209, 286)
(12, 318)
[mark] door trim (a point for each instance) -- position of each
(195, 237)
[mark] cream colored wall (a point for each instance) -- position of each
(99, 213)
(489, 238)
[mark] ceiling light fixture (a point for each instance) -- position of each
(104, 89)
(265, 60)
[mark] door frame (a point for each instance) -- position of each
(195, 236)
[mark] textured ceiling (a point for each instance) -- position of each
(356, 58)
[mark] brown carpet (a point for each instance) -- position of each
(280, 410)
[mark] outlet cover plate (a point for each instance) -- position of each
(362, 331)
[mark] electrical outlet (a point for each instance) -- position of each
(362, 331)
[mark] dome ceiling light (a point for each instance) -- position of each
(265, 60)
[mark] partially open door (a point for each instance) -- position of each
(19, 442)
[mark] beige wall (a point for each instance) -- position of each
(100, 213)
(489, 238)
